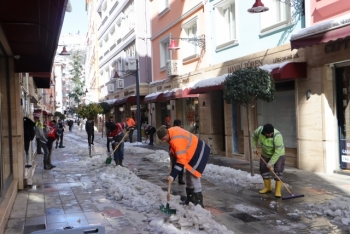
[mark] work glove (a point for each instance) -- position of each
(269, 166)
(170, 179)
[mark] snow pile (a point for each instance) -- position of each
(338, 209)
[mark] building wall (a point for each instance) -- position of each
(327, 9)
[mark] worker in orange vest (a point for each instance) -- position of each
(132, 125)
(190, 153)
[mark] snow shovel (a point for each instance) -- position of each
(167, 209)
(109, 159)
(291, 196)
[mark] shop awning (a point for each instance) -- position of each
(110, 102)
(322, 32)
(178, 93)
(208, 85)
(286, 70)
(41, 79)
(44, 112)
(153, 97)
(32, 30)
(129, 99)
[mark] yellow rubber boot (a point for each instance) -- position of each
(267, 188)
(278, 189)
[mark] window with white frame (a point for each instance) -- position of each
(190, 31)
(162, 5)
(164, 52)
(279, 14)
(226, 18)
(129, 16)
(119, 66)
(130, 51)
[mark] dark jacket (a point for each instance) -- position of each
(29, 129)
(150, 130)
(89, 126)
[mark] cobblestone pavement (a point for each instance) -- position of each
(57, 200)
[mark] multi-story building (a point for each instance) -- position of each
(179, 25)
(120, 24)
(27, 44)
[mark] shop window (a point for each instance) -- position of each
(284, 120)
(190, 119)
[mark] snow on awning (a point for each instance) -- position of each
(207, 85)
(322, 32)
(154, 97)
(178, 93)
(110, 102)
(287, 70)
(129, 99)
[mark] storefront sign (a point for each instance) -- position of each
(345, 153)
(167, 87)
(159, 88)
(285, 58)
(335, 46)
(236, 67)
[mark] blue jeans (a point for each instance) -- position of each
(119, 153)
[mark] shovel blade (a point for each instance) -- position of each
(292, 196)
(166, 209)
(109, 160)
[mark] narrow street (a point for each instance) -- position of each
(83, 190)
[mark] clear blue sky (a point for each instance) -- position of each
(76, 20)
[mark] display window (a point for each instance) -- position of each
(190, 119)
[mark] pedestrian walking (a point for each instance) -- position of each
(149, 131)
(190, 153)
(131, 125)
(110, 126)
(118, 135)
(89, 128)
(177, 123)
(70, 125)
(273, 152)
(60, 133)
(39, 133)
(51, 137)
(29, 134)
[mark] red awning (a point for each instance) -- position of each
(279, 72)
(153, 97)
(129, 99)
(205, 89)
(171, 95)
(179, 93)
(44, 112)
(289, 71)
(323, 37)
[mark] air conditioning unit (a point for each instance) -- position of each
(130, 64)
(172, 68)
(110, 87)
(120, 83)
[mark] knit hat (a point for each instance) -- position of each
(268, 128)
(162, 132)
(177, 122)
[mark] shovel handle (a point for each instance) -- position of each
(273, 172)
(169, 187)
(120, 142)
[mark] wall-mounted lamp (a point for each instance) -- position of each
(64, 51)
(197, 41)
(112, 110)
(203, 103)
(308, 94)
(258, 7)
(121, 109)
(172, 107)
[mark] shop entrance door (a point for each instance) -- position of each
(343, 114)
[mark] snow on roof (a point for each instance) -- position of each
(270, 67)
(322, 27)
(210, 82)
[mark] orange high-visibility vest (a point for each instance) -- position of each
(130, 122)
(183, 144)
